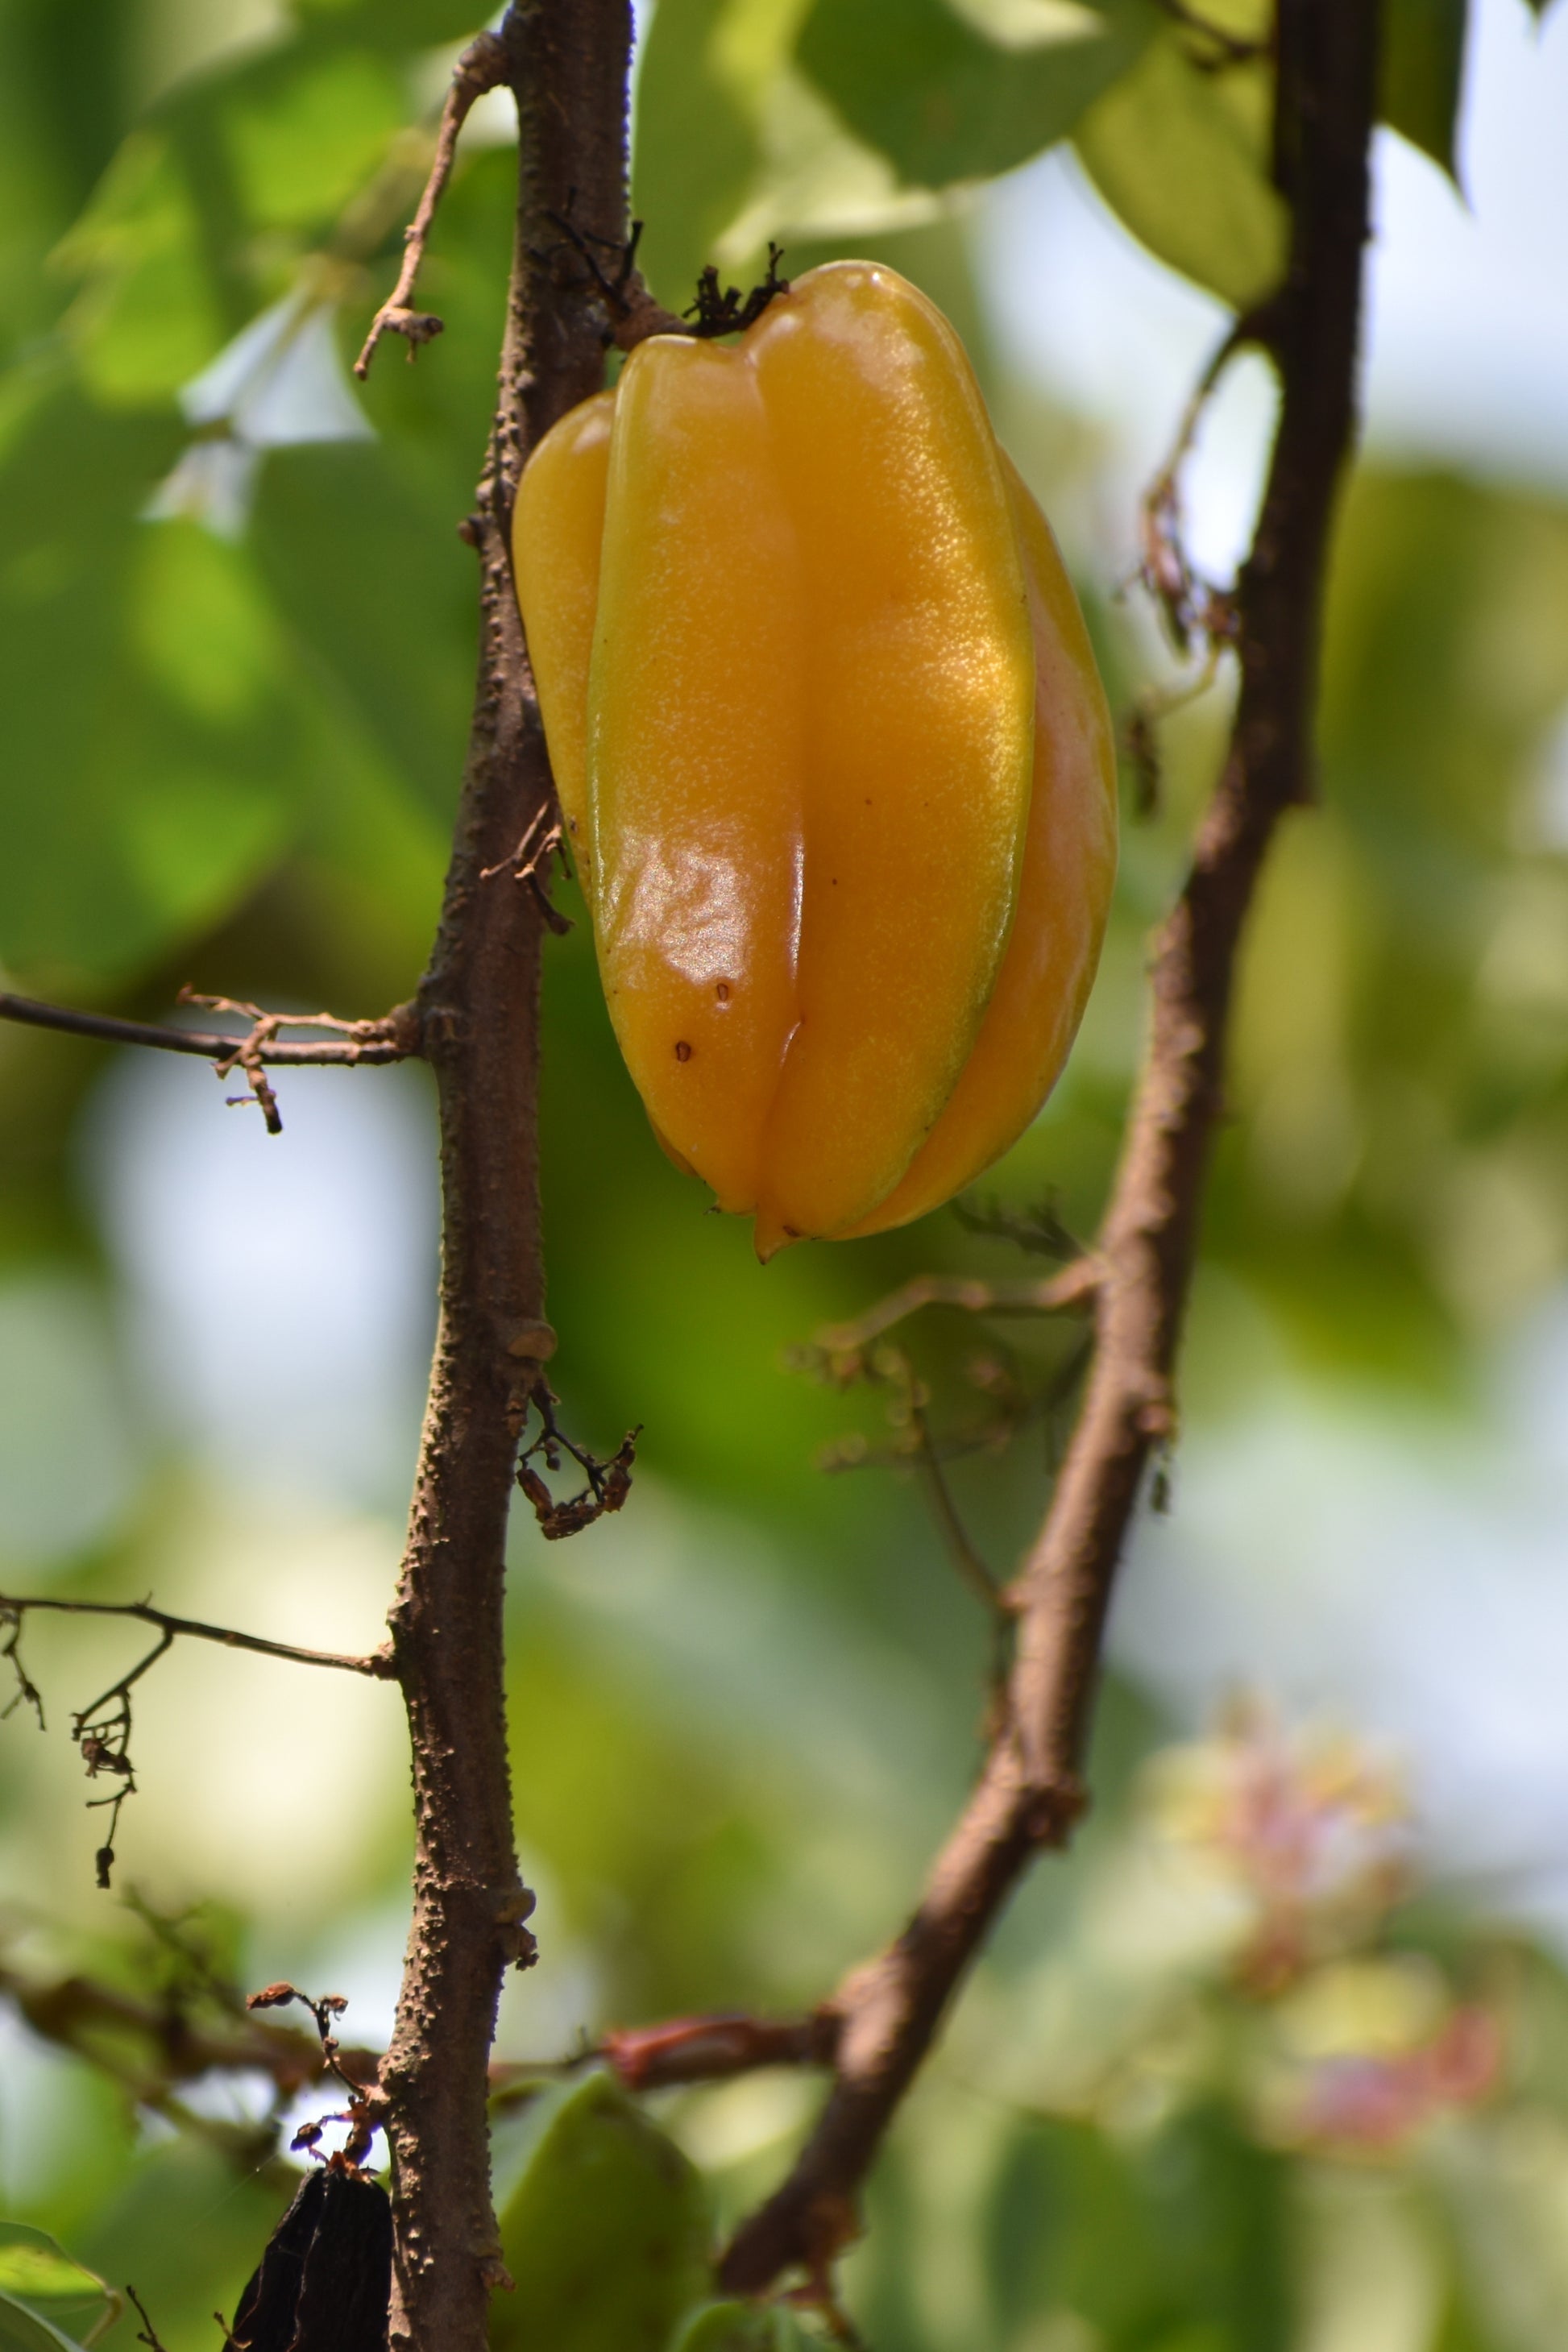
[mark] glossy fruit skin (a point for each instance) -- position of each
(825, 721)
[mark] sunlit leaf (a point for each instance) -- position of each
(605, 2235)
(944, 102)
(1421, 72)
(34, 2269)
(1180, 153)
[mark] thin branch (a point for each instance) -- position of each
(1029, 1791)
(1066, 1293)
(378, 1663)
(713, 2049)
(102, 1729)
(395, 1037)
(146, 2334)
(79, 2015)
(1192, 610)
(482, 67)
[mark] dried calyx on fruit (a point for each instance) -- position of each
(833, 754)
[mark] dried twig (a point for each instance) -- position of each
(610, 1482)
(361, 2115)
(102, 1729)
(609, 269)
(1029, 1791)
(395, 1037)
(378, 1663)
(482, 67)
(1068, 1293)
(146, 2334)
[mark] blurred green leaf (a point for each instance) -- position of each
(605, 2235)
(32, 2265)
(1421, 73)
(34, 2269)
(944, 101)
(145, 320)
(695, 148)
(1180, 153)
(396, 24)
(305, 139)
(382, 592)
(742, 2327)
(1181, 2240)
(21, 2330)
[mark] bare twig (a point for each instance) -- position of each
(395, 1037)
(529, 861)
(378, 1663)
(362, 2113)
(482, 67)
(102, 1729)
(98, 2021)
(609, 1482)
(1070, 1292)
(1029, 1791)
(609, 268)
(146, 2334)
(27, 1692)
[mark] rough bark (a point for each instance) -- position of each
(478, 1004)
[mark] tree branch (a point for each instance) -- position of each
(566, 64)
(95, 2020)
(392, 1038)
(482, 67)
(1028, 1793)
(15, 1605)
(1058, 1294)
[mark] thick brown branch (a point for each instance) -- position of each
(566, 65)
(1029, 1793)
(482, 67)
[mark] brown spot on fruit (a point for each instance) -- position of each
(682, 1050)
(722, 992)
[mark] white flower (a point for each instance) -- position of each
(280, 380)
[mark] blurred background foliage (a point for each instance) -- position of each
(1256, 2066)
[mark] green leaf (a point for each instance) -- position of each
(305, 145)
(605, 2235)
(1420, 73)
(144, 319)
(21, 2330)
(742, 2327)
(945, 103)
(695, 148)
(1180, 154)
(36, 2269)
(381, 591)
